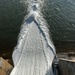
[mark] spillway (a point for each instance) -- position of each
(35, 51)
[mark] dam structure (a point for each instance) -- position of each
(35, 51)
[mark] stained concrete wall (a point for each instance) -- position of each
(67, 67)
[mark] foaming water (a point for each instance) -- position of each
(35, 51)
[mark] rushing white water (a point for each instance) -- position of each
(35, 51)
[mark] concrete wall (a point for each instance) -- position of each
(67, 67)
(5, 67)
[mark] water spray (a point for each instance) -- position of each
(35, 51)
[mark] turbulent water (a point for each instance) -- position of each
(35, 51)
(59, 14)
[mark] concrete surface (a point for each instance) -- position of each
(5, 67)
(67, 67)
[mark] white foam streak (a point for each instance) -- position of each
(35, 47)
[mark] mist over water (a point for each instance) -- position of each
(35, 51)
